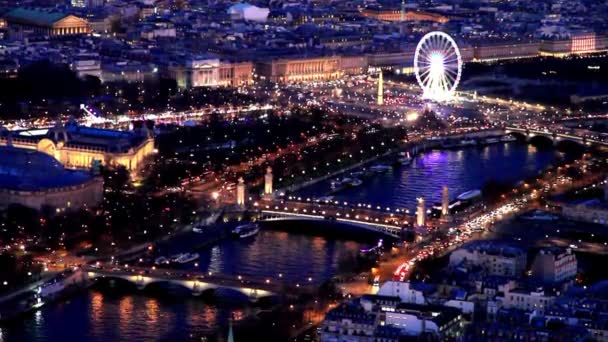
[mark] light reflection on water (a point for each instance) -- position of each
(110, 315)
(296, 256)
(461, 170)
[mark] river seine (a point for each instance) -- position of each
(111, 315)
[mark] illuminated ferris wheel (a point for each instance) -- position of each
(438, 66)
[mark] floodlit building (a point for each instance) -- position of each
(554, 265)
(398, 15)
(413, 320)
(493, 258)
(577, 43)
(79, 147)
(210, 72)
(44, 22)
(406, 292)
(528, 300)
(289, 70)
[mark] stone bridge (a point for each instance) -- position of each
(555, 136)
(198, 282)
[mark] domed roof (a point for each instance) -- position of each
(29, 170)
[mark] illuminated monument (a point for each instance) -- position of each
(79, 147)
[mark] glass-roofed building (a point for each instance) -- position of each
(35, 179)
(79, 147)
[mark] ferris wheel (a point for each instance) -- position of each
(438, 66)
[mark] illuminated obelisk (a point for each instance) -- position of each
(380, 89)
(421, 213)
(240, 192)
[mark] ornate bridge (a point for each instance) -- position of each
(380, 220)
(198, 282)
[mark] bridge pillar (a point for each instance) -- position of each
(445, 204)
(196, 288)
(140, 282)
(240, 192)
(268, 196)
(421, 213)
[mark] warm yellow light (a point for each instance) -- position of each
(413, 116)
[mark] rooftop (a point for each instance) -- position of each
(29, 170)
(35, 16)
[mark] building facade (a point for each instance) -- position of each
(295, 70)
(528, 300)
(554, 265)
(492, 52)
(78, 147)
(578, 43)
(211, 72)
(494, 259)
(52, 24)
(398, 15)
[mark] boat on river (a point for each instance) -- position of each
(404, 158)
(161, 260)
(491, 140)
(508, 138)
(246, 230)
(467, 142)
(351, 181)
(381, 168)
(184, 258)
(470, 195)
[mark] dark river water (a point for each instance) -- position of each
(461, 170)
(108, 315)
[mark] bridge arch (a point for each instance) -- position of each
(163, 285)
(337, 223)
(569, 144)
(520, 136)
(115, 282)
(540, 140)
(193, 286)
